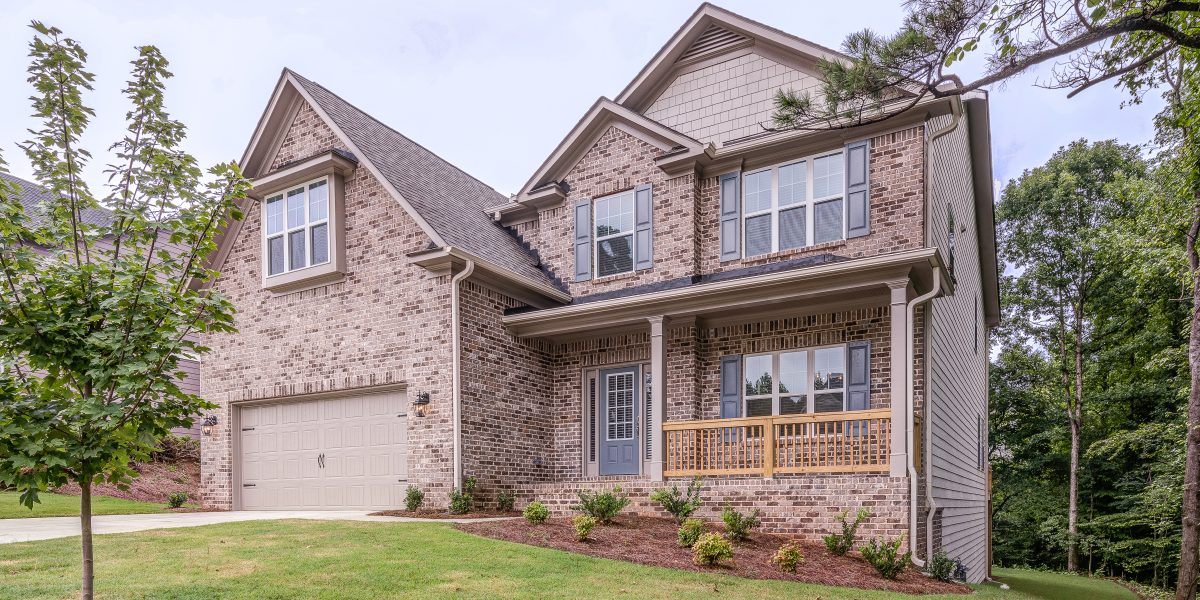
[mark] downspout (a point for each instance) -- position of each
(456, 385)
(908, 401)
(956, 112)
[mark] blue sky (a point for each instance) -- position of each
(490, 86)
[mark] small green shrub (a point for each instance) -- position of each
(711, 549)
(886, 557)
(505, 501)
(841, 543)
(788, 557)
(462, 501)
(176, 499)
(583, 526)
(681, 505)
(413, 498)
(737, 525)
(603, 506)
(690, 531)
(536, 513)
(941, 567)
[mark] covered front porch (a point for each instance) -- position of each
(777, 374)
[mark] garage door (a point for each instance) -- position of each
(348, 452)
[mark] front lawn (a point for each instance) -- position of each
(312, 559)
(62, 505)
(1037, 585)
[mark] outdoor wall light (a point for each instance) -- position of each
(209, 422)
(421, 404)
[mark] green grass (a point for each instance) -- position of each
(1036, 585)
(62, 505)
(311, 559)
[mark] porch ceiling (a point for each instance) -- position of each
(831, 285)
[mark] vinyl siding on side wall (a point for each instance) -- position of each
(958, 360)
(190, 383)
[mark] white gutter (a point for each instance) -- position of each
(456, 387)
(908, 399)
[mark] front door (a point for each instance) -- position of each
(618, 421)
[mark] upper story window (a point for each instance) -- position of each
(792, 205)
(795, 382)
(297, 227)
(614, 234)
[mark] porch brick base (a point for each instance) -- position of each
(804, 506)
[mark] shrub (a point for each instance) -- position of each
(681, 505)
(583, 526)
(737, 525)
(175, 448)
(690, 531)
(176, 499)
(886, 557)
(841, 543)
(711, 549)
(413, 498)
(788, 557)
(462, 501)
(602, 506)
(941, 567)
(536, 513)
(505, 501)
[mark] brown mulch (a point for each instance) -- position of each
(441, 513)
(156, 481)
(652, 541)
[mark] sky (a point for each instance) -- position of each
(490, 86)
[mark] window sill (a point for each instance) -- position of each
(303, 278)
(761, 258)
(619, 276)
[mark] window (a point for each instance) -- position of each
(614, 234)
(795, 382)
(951, 238)
(980, 453)
(297, 228)
(793, 205)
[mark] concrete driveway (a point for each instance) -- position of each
(47, 528)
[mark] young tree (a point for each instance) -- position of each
(100, 297)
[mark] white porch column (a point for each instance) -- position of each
(901, 371)
(658, 397)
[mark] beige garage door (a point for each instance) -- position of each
(349, 452)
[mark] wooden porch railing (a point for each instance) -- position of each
(843, 442)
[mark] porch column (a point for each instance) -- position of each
(901, 371)
(658, 397)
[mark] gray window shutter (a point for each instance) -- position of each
(583, 240)
(643, 199)
(731, 216)
(731, 386)
(858, 192)
(859, 384)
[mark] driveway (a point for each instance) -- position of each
(47, 528)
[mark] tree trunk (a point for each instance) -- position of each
(85, 522)
(1189, 547)
(1075, 415)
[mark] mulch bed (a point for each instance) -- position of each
(155, 482)
(651, 541)
(441, 513)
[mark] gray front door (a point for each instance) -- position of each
(618, 421)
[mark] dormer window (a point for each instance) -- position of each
(793, 205)
(297, 228)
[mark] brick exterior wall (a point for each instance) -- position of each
(387, 323)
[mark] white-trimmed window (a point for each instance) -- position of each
(794, 382)
(614, 240)
(296, 228)
(794, 204)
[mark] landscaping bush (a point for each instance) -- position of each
(505, 501)
(583, 526)
(175, 448)
(536, 513)
(886, 557)
(681, 505)
(413, 498)
(841, 543)
(711, 549)
(176, 499)
(788, 557)
(737, 525)
(602, 506)
(941, 567)
(690, 531)
(462, 501)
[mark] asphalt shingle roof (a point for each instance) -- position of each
(34, 198)
(450, 200)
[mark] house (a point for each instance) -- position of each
(800, 317)
(33, 198)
